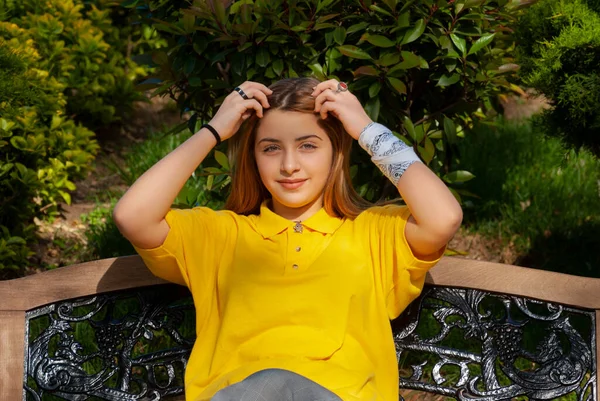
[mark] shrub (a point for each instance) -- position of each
(536, 192)
(80, 47)
(559, 47)
(421, 68)
(42, 151)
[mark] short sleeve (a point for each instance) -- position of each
(400, 274)
(190, 253)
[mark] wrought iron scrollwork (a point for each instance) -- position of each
(139, 351)
(519, 347)
(117, 346)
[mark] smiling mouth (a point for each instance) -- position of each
(291, 184)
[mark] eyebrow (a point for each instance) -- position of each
(301, 138)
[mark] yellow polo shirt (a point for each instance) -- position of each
(314, 299)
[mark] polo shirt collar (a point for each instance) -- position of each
(270, 223)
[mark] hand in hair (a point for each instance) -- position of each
(235, 109)
(342, 105)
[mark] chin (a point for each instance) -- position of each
(293, 200)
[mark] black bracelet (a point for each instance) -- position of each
(214, 132)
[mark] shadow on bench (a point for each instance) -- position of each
(110, 330)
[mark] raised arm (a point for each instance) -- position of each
(435, 213)
(140, 213)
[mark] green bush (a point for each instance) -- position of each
(422, 68)
(42, 151)
(535, 192)
(79, 45)
(559, 48)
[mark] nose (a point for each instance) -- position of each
(289, 162)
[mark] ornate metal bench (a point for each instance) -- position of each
(111, 330)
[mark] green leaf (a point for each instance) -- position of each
(389, 59)
(366, 70)
(354, 52)
(473, 3)
(427, 151)
(222, 159)
(278, 66)
(189, 21)
(262, 57)
(317, 69)
(403, 20)
(323, 4)
(397, 84)
(339, 35)
(458, 176)
(381, 10)
(56, 121)
(379, 41)
(447, 81)
(481, 42)
(450, 129)
(18, 142)
(160, 58)
(372, 108)
(209, 182)
(357, 27)
(66, 196)
(331, 57)
(410, 60)
(435, 134)
(414, 33)
(459, 42)
(374, 89)
(410, 128)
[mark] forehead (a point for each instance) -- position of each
(288, 124)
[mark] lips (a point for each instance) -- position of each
(289, 184)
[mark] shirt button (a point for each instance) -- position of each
(295, 266)
(298, 249)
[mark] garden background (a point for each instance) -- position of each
(500, 98)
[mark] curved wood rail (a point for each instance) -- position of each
(125, 272)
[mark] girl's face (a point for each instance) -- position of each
(291, 146)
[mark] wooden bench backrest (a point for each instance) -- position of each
(25, 294)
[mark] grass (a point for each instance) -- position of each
(536, 192)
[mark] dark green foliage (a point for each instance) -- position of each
(421, 68)
(535, 192)
(559, 48)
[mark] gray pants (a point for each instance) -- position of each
(275, 385)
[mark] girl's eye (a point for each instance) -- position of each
(273, 148)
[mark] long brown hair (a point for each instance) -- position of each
(247, 190)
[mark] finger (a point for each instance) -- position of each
(255, 105)
(329, 84)
(260, 96)
(328, 107)
(256, 85)
(327, 95)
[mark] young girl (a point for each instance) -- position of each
(296, 281)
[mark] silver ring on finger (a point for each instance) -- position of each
(241, 92)
(341, 87)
